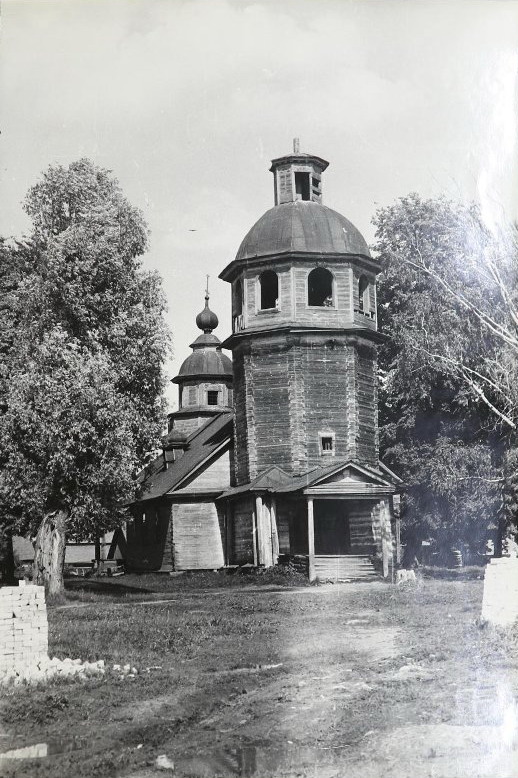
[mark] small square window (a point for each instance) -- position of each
(212, 398)
(327, 444)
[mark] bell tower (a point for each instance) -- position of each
(304, 332)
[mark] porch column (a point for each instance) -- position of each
(254, 533)
(396, 508)
(275, 534)
(386, 537)
(228, 531)
(264, 533)
(311, 540)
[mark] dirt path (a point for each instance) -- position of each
(338, 681)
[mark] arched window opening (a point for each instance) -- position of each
(363, 295)
(269, 283)
(320, 288)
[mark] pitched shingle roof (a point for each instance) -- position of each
(201, 445)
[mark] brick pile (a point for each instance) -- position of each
(24, 636)
(24, 640)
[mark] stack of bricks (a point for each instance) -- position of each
(23, 627)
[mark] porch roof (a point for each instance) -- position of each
(366, 481)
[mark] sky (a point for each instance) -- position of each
(187, 101)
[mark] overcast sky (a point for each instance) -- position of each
(188, 100)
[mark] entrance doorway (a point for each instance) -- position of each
(332, 532)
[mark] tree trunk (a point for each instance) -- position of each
(97, 551)
(7, 565)
(49, 552)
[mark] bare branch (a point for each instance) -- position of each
(495, 327)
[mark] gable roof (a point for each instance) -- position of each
(201, 446)
(368, 481)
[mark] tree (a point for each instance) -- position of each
(449, 393)
(84, 397)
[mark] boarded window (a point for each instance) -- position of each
(238, 298)
(212, 397)
(363, 294)
(320, 288)
(190, 395)
(302, 186)
(269, 284)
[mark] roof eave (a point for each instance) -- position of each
(231, 270)
(353, 331)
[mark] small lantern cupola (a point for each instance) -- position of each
(298, 177)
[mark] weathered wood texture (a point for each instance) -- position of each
(195, 393)
(196, 536)
(216, 475)
(290, 390)
(242, 544)
(292, 305)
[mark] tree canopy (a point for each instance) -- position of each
(83, 342)
(448, 409)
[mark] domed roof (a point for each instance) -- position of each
(205, 361)
(304, 226)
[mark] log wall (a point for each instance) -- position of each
(291, 389)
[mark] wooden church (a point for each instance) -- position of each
(273, 456)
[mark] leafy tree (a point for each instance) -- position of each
(84, 395)
(448, 404)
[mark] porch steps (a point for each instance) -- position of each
(349, 567)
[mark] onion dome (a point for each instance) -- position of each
(207, 320)
(207, 359)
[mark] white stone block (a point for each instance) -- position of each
(500, 599)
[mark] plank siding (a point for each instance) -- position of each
(242, 532)
(197, 540)
(215, 476)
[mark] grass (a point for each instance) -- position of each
(232, 663)
(143, 586)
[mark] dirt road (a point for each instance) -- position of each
(355, 680)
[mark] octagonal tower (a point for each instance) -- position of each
(304, 332)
